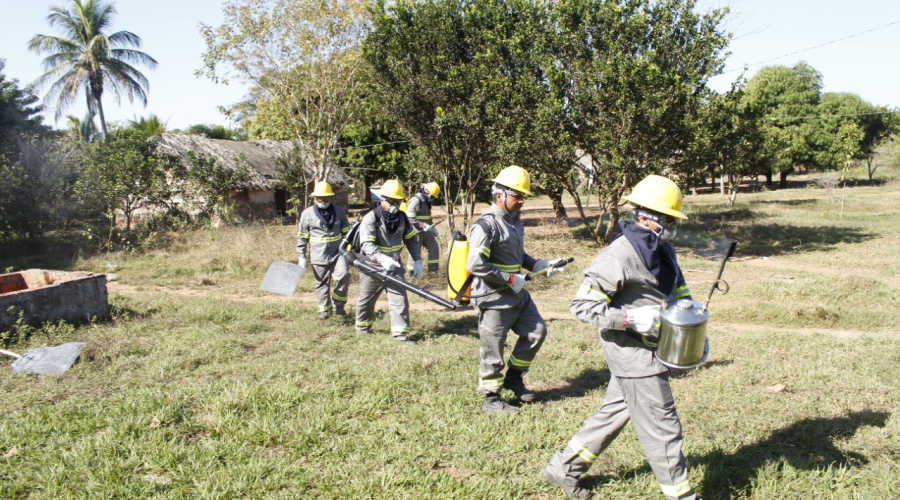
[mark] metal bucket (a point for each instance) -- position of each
(682, 335)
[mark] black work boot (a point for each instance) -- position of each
(513, 381)
(493, 404)
(568, 484)
(339, 311)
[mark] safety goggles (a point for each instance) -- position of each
(666, 221)
(391, 201)
(513, 193)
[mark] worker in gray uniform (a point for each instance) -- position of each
(383, 232)
(321, 228)
(621, 295)
(497, 261)
(419, 212)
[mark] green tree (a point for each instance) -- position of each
(82, 130)
(787, 97)
(86, 58)
(20, 126)
(210, 185)
(302, 57)
(849, 130)
(150, 125)
(124, 174)
(623, 80)
(447, 72)
(216, 132)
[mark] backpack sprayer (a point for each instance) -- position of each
(459, 280)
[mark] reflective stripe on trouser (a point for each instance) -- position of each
(652, 413)
(398, 304)
(493, 326)
(326, 275)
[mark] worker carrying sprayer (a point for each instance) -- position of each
(497, 261)
(419, 212)
(321, 228)
(622, 293)
(382, 234)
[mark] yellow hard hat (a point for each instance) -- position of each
(433, 189)
(392, 189)
(515, 177)
(323, 189)
(658, 194)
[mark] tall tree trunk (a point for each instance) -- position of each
(782, 180)
(769, 179)
(99, 105)
(555, 196)
(612, 226)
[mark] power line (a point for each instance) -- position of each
(811, 48)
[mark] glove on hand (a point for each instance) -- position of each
(644, 319)
(553, 267)
(417, 269)
(516, 282)
(540, 265)
(386, 262)
(302, 263)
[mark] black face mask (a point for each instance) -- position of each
(391, 220)
(658, 257)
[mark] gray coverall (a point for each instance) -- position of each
(638, 389)
(374, 239)
(419, 211)
(324, 259)
(494, 254)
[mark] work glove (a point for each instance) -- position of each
(386, 262)
(516, 282)
(556, 266)
(644, 319)
(302, 263)
(417, 269)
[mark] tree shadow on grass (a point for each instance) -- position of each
(775, 239)
(459, 325)
(575, 387)
(807, 445)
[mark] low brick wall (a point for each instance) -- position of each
(45, 295)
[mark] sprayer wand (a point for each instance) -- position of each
(731, 246)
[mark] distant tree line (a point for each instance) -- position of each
(588, 95)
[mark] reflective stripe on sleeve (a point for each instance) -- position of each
(410, 234)
(682, 292)
(486, 251)
(390, 249)
(508, 268)
(587, 292)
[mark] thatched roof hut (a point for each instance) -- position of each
(260, 155)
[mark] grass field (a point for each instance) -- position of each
(201, 386)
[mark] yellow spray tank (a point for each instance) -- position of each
(459, 281)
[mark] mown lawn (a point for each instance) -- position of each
(201, 386)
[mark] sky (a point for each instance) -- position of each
(855, 45)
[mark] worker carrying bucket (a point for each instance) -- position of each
(622, 294)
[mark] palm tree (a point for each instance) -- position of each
(88, 59)
(152, 125)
